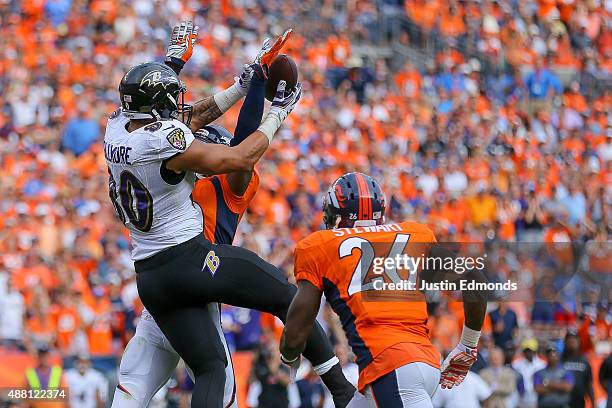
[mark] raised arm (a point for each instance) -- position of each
(209, 109)
(209, 159)
(182, 40)
(249, 119)
(206, 111)
(212, 159)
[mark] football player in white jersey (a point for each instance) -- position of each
(87, 387)
(152, 157)
(149, 360)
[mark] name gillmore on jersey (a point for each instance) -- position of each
(117, 154)
(158, 213)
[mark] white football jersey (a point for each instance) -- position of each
(84, 390)
(156, 208)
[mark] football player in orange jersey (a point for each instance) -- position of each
(386, 328)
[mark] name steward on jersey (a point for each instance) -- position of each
(117, 154)
(340, 232)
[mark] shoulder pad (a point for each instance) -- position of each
(165, 127)
(176, 133)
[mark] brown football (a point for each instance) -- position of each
(282, 68)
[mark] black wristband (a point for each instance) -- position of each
(176, 64)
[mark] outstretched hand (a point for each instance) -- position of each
(182, 40)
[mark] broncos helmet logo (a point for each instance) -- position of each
(339, 195)
(154, 78)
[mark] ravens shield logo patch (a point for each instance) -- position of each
(177, 139)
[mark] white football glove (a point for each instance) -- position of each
(283, 103)
(243, 82)
(266, 55)
(182, 40)
(269, 50)
(228, 97)
(456, 365)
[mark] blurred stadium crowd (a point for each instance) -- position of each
(488, 120)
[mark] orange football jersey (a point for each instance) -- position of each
(386, 328)
(221, 208)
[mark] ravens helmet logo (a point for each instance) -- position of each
(154, 78)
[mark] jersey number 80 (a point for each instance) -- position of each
(132, 201)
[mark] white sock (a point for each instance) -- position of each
(326, 366)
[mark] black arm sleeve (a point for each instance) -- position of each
(251, 111)
(175, 63)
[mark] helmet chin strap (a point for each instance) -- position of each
(137, 115)
(155, 115)
(337, 223)
(169, 96)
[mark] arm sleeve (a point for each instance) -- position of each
(176, 64)
(251, 111)
(306, 266)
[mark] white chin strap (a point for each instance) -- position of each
(172, 100)
(140, 115)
